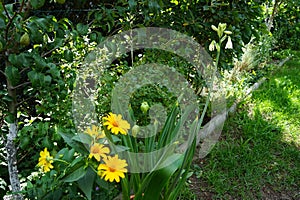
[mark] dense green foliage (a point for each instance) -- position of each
(287, 25)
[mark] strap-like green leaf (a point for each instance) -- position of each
(159, 179)
(86, 183)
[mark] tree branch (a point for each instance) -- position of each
(24, 69)
(20, 85)
(21, 7)
(11, 18)
(6, 12)
(8, 25)
(48, 52)
(2, 72)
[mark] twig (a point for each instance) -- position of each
(6, 12)
(21, 7)
(8, 25)
(24, 69)
(18, 104)
(51, 50)
(25, 154)
(11, 18)
(48, 52)
(2, 72)
(22, 84)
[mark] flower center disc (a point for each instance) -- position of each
(112, 169)
(115, 124)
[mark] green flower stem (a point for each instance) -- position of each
(63, 161)
(208, 98)
(92, 167)
(125, 188)
(110, 140)
(218, 53)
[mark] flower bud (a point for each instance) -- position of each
(145, 107)
(222, 26)
(135, 130)
(214, 28)
(229, 43)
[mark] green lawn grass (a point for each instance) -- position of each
(258, 155)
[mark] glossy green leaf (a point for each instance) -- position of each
(12, 74)
(158, 180)
(54, 71)
(82, 29)
(86, 183)
(37, 37)
(22, 59)
(68, 55)
(75, 175)
(43, 23)
(24, 142)
(58, 42)
(2, 23)
(47, 80)
(46, 142)
(68, 139)
(10, 118)
(39, 61)
(83, 138)
(37, 3)
(76, 160)
(56, 194)
(7, 98)
(33, 77)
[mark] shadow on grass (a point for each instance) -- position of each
(258, 156)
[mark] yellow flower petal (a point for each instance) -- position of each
(95, 132)
(116, 124)
(113, 169)
(98, 150)
(45, 161)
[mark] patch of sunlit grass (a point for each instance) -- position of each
(260, 145)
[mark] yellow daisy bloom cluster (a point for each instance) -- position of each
(45, 161)
(97, 150)
(112, 168)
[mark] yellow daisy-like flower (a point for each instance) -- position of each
(113, 169)
(98, 150)
(116, 124)
(95, 132)
(102, 135)
(45, 161)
